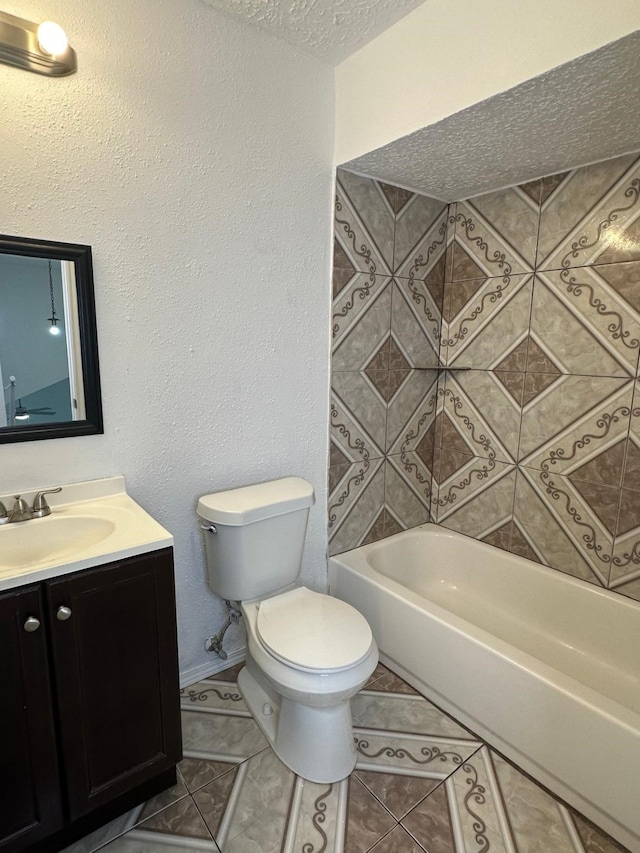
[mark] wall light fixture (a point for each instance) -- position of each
(41, 48)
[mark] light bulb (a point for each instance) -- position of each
(54, 330)
(52, 38)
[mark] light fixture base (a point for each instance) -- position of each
(20, 48)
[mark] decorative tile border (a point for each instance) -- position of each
(364, 223)
(361, 321)
(356, 506)
(576, 426)
(535, 292)
(592, 217)
(588, 318)
(385, 351)
(485, 320)
(422, 784)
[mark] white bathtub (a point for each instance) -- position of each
(544, 667)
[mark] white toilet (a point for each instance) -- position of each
(307, 653)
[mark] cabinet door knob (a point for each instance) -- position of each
(32, 624)
(63, 614)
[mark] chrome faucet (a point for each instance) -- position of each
(21, 510)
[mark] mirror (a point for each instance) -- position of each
(49, 371)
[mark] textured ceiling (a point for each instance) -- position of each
(579, 113)
(330, 30)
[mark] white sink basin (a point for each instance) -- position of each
(91, 524)
(27, 543)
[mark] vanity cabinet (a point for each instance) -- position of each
(30, 804)
(89, 704)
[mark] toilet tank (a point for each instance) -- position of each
(259, 539)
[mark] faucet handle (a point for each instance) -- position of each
(4, 515)
(40, 505)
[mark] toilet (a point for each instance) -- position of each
(308, 654)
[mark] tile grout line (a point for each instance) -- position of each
(203, 817)
(622, 479)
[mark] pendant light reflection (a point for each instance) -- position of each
(53, 319)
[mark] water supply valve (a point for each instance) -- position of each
(214, 643)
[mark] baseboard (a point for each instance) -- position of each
(197, 673)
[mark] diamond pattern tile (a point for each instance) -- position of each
(355, 505)
(420, 239)
(411, 411)
(415, 320)
(484, 413)
(530, 298)
(364, 224)
(593, 217)
(476, 498)
(407, 490)
(486, 319)
(359, 413)
(539, 360)
(422, 784)
(361, 321)
(568, 531)
(581, 317)
(495, 233)
(573, 421)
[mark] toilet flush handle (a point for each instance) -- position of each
(210, 527)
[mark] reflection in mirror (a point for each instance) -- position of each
(48, 346)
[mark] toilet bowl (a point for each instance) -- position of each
(308, 654)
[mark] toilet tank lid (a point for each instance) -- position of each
(254, 503)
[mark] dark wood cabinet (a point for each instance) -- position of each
(30, 804)
(92, 700)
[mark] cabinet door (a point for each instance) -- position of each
(29, 779)
(113, 640)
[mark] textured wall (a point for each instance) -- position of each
(195, 155)
(530, 438)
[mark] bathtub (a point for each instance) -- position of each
(545, 668)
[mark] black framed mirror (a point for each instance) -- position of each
(49, 371)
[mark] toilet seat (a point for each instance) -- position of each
(313, 632)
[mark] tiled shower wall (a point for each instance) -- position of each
(388, 287)
(530, 439)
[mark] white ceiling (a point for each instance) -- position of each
(579, 113)
(330, 30)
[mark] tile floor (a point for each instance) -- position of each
(421, 783)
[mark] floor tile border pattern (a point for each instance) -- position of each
(420, 778)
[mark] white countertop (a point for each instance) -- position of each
(91, 524)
